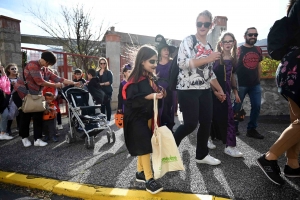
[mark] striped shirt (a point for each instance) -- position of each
(35, 75)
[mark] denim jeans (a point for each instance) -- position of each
(254, 93)
(4, 119)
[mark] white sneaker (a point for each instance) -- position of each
(210, 144)
(26, 142)
(5, 137)
(209, 160)
(40, 143)
(232, 151)
(60, 127)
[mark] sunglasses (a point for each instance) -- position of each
(102, 63)
(206, 24)
(252, 34)
(13, 69)
(153, 61)
(227, 42)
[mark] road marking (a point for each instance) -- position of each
(84, 191)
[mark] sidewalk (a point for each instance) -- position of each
(108, 172)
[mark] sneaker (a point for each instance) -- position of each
(253, 133)
(153, 187)
(60, 127)
(26, 142)
(45, 138)
(232, 151)
(210, 144)
(5, 137)
(55, 139)
(140, 177)
(209, 160)
(271, 169)
(290, 172)
(40, 143)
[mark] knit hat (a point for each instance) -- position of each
(162, 43)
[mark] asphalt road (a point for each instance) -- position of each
(110, 165)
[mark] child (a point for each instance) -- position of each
(79, 76)
(223, 122)
(4, 100)
(54, 91)
(49, 118)
(94, 87)
(126, 72)
(138, 112)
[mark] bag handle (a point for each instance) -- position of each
(155, 110)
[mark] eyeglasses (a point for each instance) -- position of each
(13, 69)
(206, 24)
(227, 42)
(102, 63)
(153, 61)
(252, 34)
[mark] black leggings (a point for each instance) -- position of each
(196, 107)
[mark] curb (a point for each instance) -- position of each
(84, 191)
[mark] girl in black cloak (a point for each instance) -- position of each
(138, 94)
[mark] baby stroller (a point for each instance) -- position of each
(85, 118)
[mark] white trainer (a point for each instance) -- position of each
(26, 142)
(210, 144)
(40, 143)
(5, 137)
(209, 160)
(232, 151)
(60, 127)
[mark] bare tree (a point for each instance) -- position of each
(75, 31)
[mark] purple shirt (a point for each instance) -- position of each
(162, 72)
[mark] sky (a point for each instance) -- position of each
(173, 19)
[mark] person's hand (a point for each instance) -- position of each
(119, 111)
(77, 84)
(214, 56)
(159, 95)
(58, 85)
(237, 99)
(220, 95)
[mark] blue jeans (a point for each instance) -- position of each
(4, 119)
(254, 93)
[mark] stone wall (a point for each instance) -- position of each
(272, 103)
(10, 41)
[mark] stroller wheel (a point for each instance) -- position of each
(69, 138)
(108, 137)
(113, 136)
(92, 142)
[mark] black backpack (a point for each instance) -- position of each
(174, 68)
(281, 36)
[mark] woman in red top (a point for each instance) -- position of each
(37, 76)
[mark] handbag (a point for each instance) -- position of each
(33, 103)
(119, 119)
(240, 115)
(165, 156)
(5, 84)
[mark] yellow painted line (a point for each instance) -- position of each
(85, 191)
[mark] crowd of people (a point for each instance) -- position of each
(205, 82)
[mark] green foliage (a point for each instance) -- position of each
(24, 58)
(269, 67)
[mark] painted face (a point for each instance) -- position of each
(49, 99)
(205, 23)
(77, 76)
(127, 73)
(13, 70)
(165, 52)
(251, 36)
(150, 64)
(227, 43)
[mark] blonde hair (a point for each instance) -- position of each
(233, 50)
(99, 66)
(205, 13)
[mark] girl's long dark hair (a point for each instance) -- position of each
(144, 53)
